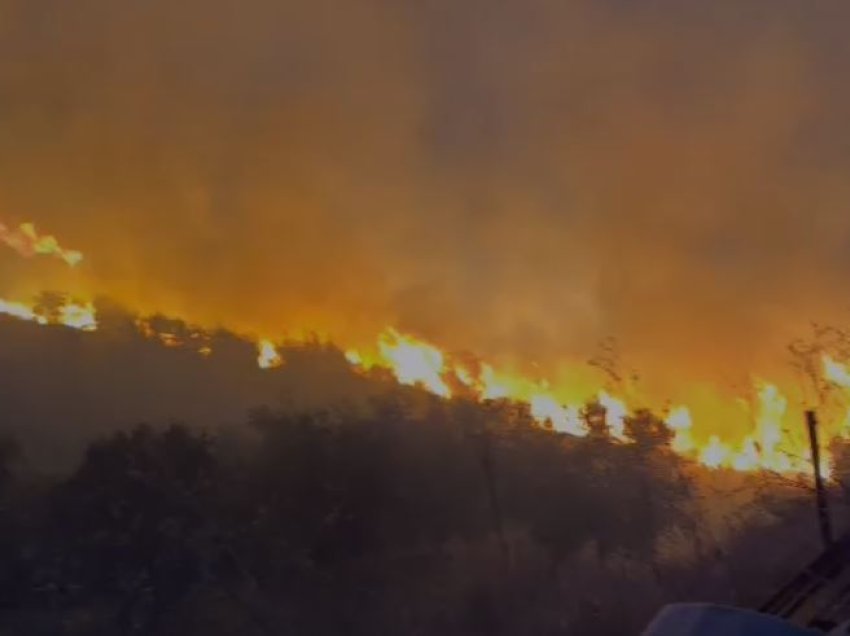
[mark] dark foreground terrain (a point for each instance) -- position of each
(312, 500)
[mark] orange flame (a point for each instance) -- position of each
(768, 446)
(679, 421)
(267, 355)
(565, 419)
(839, 375)
(715, 453)
(21, 311)
(27, 242)
(615, 416)
(836, 372)
(80, 316)
(414, 362)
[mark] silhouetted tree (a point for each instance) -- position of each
(132, 519)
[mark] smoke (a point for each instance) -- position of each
(517, 178)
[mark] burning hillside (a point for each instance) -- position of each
(471, 225)
(765, 438)
(614, 230)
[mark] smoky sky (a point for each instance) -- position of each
(519, 178)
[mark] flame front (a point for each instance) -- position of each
(414, 362)
(78, 316)
(75, 315)
(565, 419)
(21, 311)
(768, 445)
(27, 242)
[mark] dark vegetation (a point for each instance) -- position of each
(345, 504)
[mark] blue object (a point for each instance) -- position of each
(705, 619)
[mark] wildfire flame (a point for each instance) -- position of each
(565, 419)
(27, 242)
(21, 311)
(839, 375)
(267, 355)
(768, 445)
(679, 421)
(836, 372)
(615, 416)
(715, 453)
(413, 361)
(80, 316)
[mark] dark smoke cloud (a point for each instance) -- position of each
(516, 177)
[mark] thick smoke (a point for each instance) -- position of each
(519, 178)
